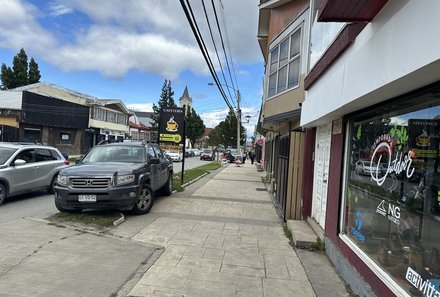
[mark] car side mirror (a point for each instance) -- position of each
(154, 161)
(19, 162)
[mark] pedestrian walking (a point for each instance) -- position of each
(244, 156)
(252, 156)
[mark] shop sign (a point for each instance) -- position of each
(426, 287)
(356, 231)
(400, 163)
(393, 212)
(172, 125)
(424, 137)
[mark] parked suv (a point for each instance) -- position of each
(28, 167)
(207, 154)
(121, 176)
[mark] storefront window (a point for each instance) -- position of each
(392, 194)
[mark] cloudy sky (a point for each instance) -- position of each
(124, 49)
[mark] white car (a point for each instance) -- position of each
(175, 156)
(197, 152)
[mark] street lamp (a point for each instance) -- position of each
(238, 114)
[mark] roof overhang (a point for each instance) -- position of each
(281, 121)
(349, 10)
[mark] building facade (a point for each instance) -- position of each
(108, 119)
(373, 112)
(283, 38)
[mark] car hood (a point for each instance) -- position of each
(109, 168)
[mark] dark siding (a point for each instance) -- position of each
(48, 111)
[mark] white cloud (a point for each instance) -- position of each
(151, 36)
(58, 9)
(213, 118)
(148, 107)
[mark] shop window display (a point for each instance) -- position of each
(392, 194)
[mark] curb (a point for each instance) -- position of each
(120, 220)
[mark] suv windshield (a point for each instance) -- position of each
(5, 154)
(117, 153)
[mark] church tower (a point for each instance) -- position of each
(186, 100)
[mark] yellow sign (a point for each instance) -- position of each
(170, 138)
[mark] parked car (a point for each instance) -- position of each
(230, 154)
(189, 153)
(197, 152)
(365, 167)
(175, 156)
(207, 154)
(28, 167)
(123, 176)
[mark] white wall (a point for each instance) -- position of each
(397, 52)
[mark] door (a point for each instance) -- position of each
(320, 183)
(163, 167)
(23, 176)
(154, 169)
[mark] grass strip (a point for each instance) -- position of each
(192, 174)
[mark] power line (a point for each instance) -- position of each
(223, 45)
(193, 24)
(215, 47)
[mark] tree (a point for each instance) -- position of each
(34, 74)
(194, 126)
(228, 131)
(166, 100)
(215, 137)
(21, 73)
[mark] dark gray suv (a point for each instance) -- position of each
(28, 167)
(121, 176)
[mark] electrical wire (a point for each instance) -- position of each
(193, 24)
(215, 48)
(223, 44)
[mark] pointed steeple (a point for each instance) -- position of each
(186, 100)
(185, 93)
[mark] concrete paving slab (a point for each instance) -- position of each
(39, 259)
(223, 237)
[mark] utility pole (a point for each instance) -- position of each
(238, 121)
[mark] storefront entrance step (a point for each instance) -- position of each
(303, 235)
(316, 228)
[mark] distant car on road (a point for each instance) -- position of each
(207, 155)
(175, 156)
(123, 176)
(28, 167)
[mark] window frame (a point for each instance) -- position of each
(274, 72)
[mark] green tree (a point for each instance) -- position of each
(21, 73)
(34, 74)
(166, 100)
(228, 130)
(194, 126)
(215, 137)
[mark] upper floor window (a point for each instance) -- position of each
(322, 36)
(284, 64)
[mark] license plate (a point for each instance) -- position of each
(87, 198)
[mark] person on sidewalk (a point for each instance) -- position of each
(252, 156)
(244, 156)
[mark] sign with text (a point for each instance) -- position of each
(172, 125)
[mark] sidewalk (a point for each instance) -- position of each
(222, 237)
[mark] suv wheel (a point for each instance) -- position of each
(168, 187)
(51, 189)
(2, 193)
(144, 201)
